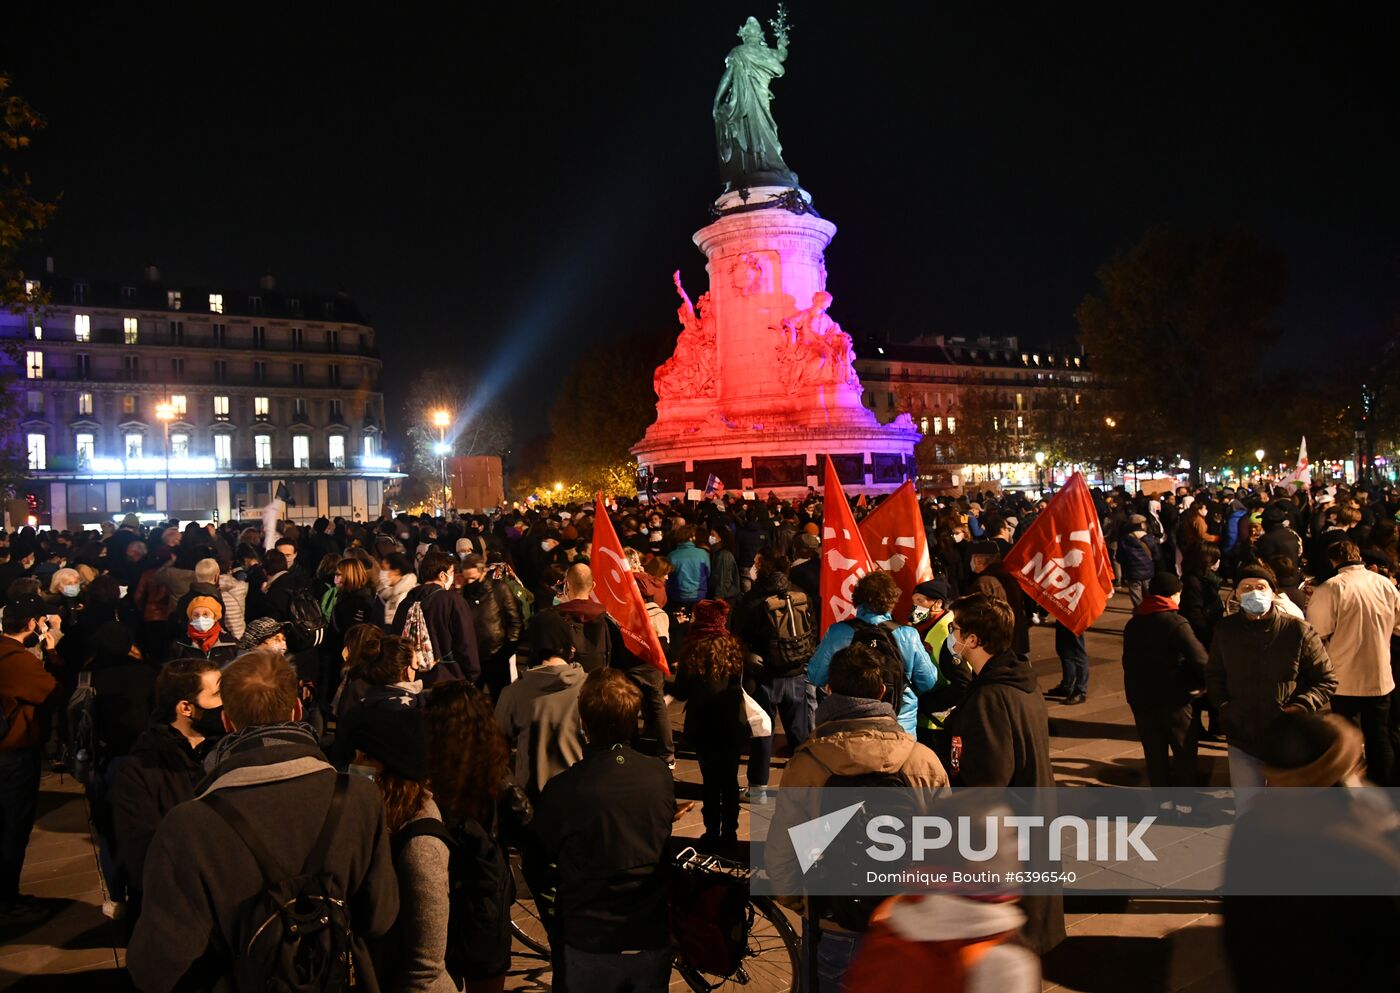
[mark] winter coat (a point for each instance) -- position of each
(1280, 540)
(234, 594)
(714, 708)
(25, 686)
(749, 621)
(1258, 667)
(1003, 727)
(539, 715)
(222, 652)
(495, 614)
(1356, 613)
(605, 823)
(125, 690)
(919, 674)
(418, 942)
(690, 580)
(1138, 557)
(724, 576)
(160, 772)
(1163, 662)
(1201, 606)
(200, 875)
(394, 699)
(450, 626)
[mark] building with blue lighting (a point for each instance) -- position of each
(195, 402)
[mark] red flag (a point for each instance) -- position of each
(861, 502)
(844, 559)
(616, 589)
(1062, 561)
(894, 534)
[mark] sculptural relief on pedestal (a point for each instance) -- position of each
(812, 350)
(692, 369)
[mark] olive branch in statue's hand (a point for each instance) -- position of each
(781, 25)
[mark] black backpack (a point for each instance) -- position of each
(481, 889)
(843, 857)
(294, 936)
(308, 618)
(880, 639)
(592, 641)
(792, 638)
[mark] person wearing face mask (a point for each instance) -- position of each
(395, 581)
(724, 568)
(1138, 557)
(1263, 663)
(26, 688)
(204, 636)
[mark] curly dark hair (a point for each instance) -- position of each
(468, 758)
(715, 657)
(878, 591)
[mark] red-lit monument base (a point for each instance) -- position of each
(761, 384)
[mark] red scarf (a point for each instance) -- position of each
(205, 640)
(1155, 605)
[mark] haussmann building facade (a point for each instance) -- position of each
(195, 403)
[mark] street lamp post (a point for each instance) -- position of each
(441, 419)
(165, 413)
(1040, 470)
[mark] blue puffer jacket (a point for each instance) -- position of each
(1138, 557)
(691, 579)
(1231, 533)
(919, 671)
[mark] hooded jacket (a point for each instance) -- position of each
(1002, 728)
(25, 685)
(919, 673)
(199, 874)
(1258, 667)
(691, 578)
(1163, 662)
(594, 642)
(539, 715)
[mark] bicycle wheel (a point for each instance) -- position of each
(525, 922)
(772, 956)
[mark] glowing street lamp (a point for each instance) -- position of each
(441, 419)
(1259, 454)
(165, 413)
(1040, 469)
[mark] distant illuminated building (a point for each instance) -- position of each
(260, 387)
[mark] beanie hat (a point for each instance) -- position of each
(809, 541)
(711, 617)
(1164, 584)
(811, 528)
(935, 589)
(207, 602)
(397, 738)
(1258, 572)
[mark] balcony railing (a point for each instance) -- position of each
(204, 465)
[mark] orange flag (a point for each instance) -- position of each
(616, 589)
(844, 559)
(894, 534)
(1062, 560)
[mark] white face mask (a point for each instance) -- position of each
(954, 645)
(202, 623)
(714, 539)
(958, 536)
(72, 591)
(752, 573)
(383, 577)
(918, 614)
(462, 555)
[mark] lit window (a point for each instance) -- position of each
(223, 451)
(129, 404)
(130, 330)
(172, 299)
(34, 402)
(260, 406)
(82, 327)
(216, 303)
(34, 365)
(262, 450)
(996, 424)
(1036, 359)
(1019, 423)
(369, 446)
(938, 425)
(221, 408)
(85, 449)
(31, 287)
(85, 403)
(952, 425)
(1020, 402)
(336, 447)
(1076, 399)
(38, 332)
(178, 406)
(301, 452)
(1076, 361)
(180, 446)
(38, 456)
(133, 446)
(1025, 359)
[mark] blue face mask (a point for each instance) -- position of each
(72, 591)
(1257, 602)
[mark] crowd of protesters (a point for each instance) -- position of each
(398, 705)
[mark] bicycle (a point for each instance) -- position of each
(769, 958)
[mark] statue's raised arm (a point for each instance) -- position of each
(745, 132)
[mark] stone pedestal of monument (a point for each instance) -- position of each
(761, 384)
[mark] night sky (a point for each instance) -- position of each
(515, 186)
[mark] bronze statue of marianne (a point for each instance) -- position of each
(749, 152)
